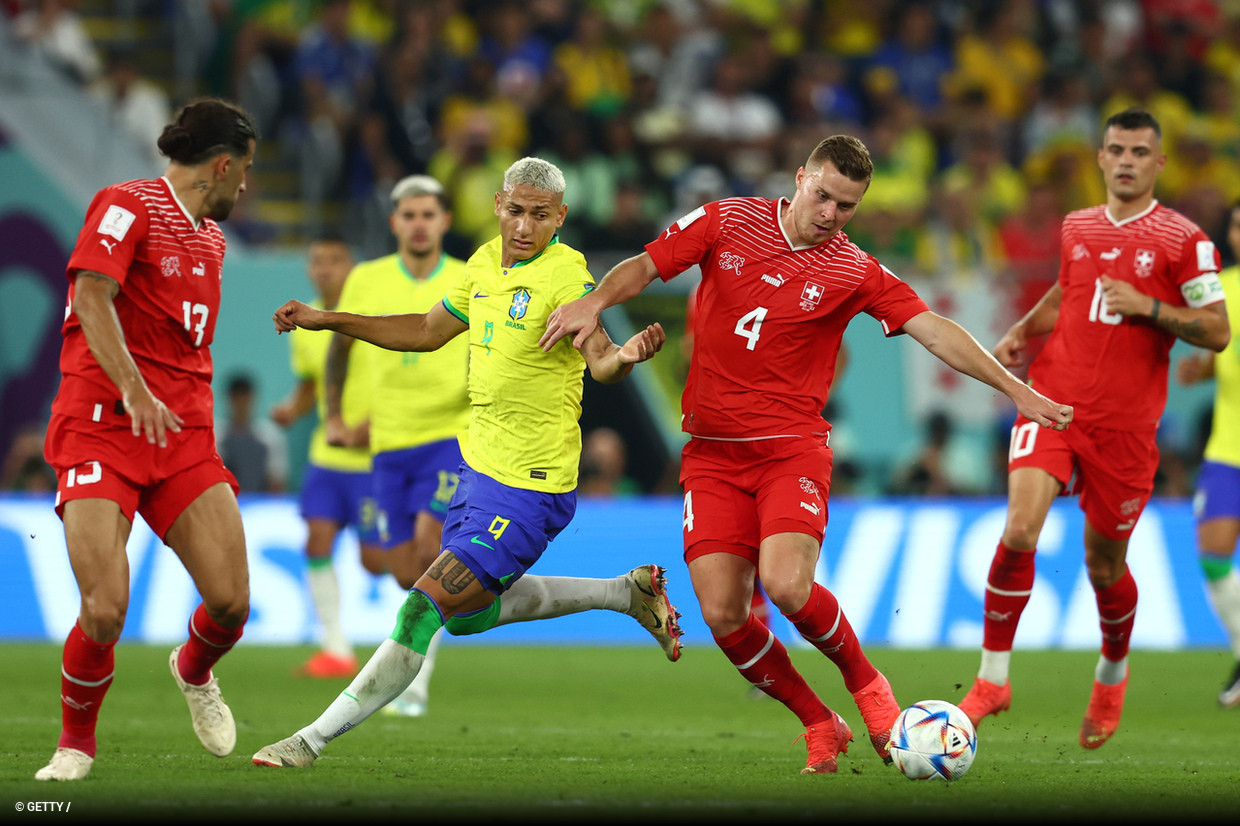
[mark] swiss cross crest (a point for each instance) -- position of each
(1143, 261)
(731, 261)
(170, 266)
(811, 294)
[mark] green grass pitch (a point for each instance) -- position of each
(607, 734)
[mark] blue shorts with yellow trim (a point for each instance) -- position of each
(500, 531)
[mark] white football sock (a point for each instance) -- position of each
(384, 676)
(543, 597)
(1225, 597)
(325, 594)
(1111, 672)
(994, 667)
(420, 689)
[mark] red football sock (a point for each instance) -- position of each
(1117, 611)
(822, 622)
(85, 675)
(208, 642)
(1008, 587)
(763, 661)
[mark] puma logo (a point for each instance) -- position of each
(107, 246)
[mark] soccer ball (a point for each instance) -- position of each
(933, 740)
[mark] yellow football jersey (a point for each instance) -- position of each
(526, 403)
(416, 398)
(308, 354)
(1224, 442)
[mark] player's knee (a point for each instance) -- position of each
(102, 619)
(229, 612)
(1021, 532)
(789, 596)
(724, 619)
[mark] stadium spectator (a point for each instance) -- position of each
(419, 403)
(337, 491)
(252, 446)
(728, 122)
(597, 71)
(1216, 504)
(604, 460)
(1134, 276)
(53, 32)
(136, 106)
(757, 466)
(999, 56)
(131, 427)
(518, 482)
(335, 72)
(920, 58)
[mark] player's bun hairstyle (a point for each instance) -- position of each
(206, 127)
(847, 154)
(1133, 118)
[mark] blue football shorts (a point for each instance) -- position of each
(343, 497)
(410, 481)
(500, 531)
(1218, 492)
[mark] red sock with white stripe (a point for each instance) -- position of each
(85, 675)
(1008, 588)
(1117, 611)
(821, 621)
(208, 642)
(764, 662)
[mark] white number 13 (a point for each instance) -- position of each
(749, 326)
(192, 312)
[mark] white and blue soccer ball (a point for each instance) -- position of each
(933, 740)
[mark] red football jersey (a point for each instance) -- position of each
(1111, 368)
(769, 317)
(139, 233)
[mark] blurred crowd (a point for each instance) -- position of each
(982, 116)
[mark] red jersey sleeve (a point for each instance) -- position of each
(686, 242)
(116, 222)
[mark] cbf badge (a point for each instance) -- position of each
(520, 303)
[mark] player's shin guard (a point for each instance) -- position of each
(822, 623)
(208, 642)
(763, 661)
(85, 675)
(387, 673)
(1117, 611)
(1009, 585)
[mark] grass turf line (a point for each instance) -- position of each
(570, 733)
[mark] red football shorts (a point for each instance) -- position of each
(1112, 470)
(739, 493)
(94, 461)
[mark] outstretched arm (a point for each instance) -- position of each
(609, 362)
(410, 332)
(953, 344)
(580, 318)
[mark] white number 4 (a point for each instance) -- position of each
(750, 325)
